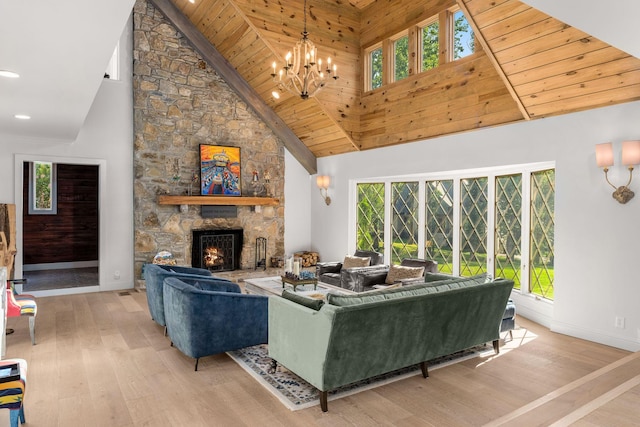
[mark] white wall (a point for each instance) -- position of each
(106, 139)
(297, 212)
(597, 239)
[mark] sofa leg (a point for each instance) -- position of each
(425, 369)
(197, 360)
(323, 401)
(496, 346)
(165, 331)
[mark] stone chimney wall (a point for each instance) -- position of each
(180, 102)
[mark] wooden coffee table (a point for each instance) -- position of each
(297, 282)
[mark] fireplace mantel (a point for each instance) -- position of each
(217, 200)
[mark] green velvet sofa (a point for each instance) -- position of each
(353, 337)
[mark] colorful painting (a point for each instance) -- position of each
(219, 170)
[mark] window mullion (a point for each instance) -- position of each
(387, 222)
(422, 218)
(525, 276)
(456, 226)
(491, 224)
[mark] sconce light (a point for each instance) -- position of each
(323, 182)
(630, 157)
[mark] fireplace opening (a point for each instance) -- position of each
(216, 250)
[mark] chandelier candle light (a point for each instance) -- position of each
(303, 74)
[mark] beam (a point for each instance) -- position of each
(219, 63)
(492, 58)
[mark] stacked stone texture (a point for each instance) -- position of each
(180, 102)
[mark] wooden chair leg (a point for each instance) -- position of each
(323, 401)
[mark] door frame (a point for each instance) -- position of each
(19, 201)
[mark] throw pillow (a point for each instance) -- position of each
(398, 272)
(355, 261)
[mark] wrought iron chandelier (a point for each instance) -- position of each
(303, 73)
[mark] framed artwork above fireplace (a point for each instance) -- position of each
(220, 170)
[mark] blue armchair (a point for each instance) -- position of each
(205, 317)
(155, 274)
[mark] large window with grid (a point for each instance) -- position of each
(498, 221)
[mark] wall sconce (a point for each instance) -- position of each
(630, 157)
(323, 182)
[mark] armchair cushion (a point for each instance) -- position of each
(398, 273)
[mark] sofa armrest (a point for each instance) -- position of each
(299, 337)
(327, 267)
(367, 278)
(356, 278)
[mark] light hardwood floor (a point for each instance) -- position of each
(101, 361)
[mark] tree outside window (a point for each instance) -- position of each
(42, 188)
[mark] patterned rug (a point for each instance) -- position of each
(295, 393)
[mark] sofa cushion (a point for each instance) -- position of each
(406, 291)
(312, 303)
(355, 261)
(398, 272)
(435, 277)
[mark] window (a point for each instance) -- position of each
(498, 221)
(439, 223)
(441, 38)
(374, 60)
(401, 58)
(404, 221)
(42, 188)
(370, 217)
(463, 38)
(430, 46)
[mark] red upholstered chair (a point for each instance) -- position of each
(12, 392)
(22, 305)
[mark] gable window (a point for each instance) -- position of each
(464, 43)
(430, 46)
(374, 67)
(401, 58)
(442, 38)
(498, 221)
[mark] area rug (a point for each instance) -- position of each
(296, 394)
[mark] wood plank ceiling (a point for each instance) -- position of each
(531, 66)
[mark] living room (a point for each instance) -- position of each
(596, 237)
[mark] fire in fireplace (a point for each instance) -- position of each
(216, 250)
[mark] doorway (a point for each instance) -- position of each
(60, 239)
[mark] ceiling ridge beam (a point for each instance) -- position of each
(231, 76)
(492, 58)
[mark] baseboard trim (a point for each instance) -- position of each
(59, 265)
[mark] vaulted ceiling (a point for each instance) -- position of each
(531, 65)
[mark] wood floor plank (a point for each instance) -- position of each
(101, 358)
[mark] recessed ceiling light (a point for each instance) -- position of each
(22, 116)
(9, 74)
(275, 94)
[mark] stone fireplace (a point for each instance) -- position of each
(216, 250)
(180, 102)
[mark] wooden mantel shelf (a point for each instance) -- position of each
(217, 200)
